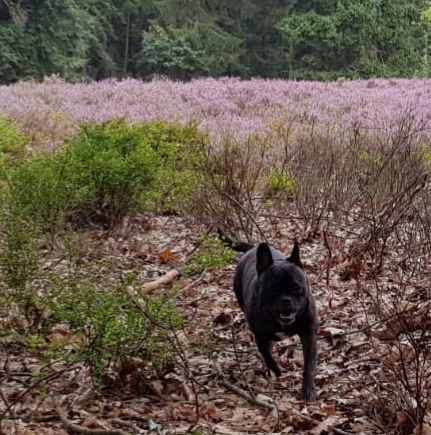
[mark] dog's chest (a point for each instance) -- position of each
(281, 335)
(269, 328)
(282, 332)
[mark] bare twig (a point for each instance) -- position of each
(247, 396)
(328, 264)
(39, 381)
(69, 426)
(251, 217)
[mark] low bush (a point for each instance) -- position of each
(99, 175)
(280, 182)
(106, 172)
(111, 327)
(212, 255)
(109, 167)
(11, 145)
(42, 192)
(18, 252)
(179, 152)
(18, 237)
(231, 181)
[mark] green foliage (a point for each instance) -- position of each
(213, 255)
(193, 40)
(107, 325)
(19, 257)
(111, 166)
(367, 160)
(179, 150)
(194, 50)
(11, 144)
(15, 48)
(19, 239)
(98, 177)
(221, 51)
(183, 39)
(112, 328)
(280, 182)
(41, 192)
(33, 342)
(423, 152)
(167, 53)
(107, 171)
(18, 252)
(353, 39)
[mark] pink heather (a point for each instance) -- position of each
(226, 106)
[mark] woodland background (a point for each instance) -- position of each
(184, 39)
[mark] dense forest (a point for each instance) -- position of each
(182, 39)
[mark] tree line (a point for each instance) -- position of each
(183, 39)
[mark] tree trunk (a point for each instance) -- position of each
(126, 45)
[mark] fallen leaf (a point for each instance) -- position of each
(326, 425)
(168, 255)
(330, 331)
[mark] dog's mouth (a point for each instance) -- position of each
(287, 319)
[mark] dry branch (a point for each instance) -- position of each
(149, 287)
(250, 398)
(247, 396)
(72, 427)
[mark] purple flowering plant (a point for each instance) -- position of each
(227, 107)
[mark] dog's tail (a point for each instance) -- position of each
(236, 246)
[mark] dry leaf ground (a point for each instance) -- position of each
(195, 398)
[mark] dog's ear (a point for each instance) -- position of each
(294, 256)
(264, 257)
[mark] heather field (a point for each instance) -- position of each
(52, 109)
(117, 312)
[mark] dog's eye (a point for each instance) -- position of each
(297, 289)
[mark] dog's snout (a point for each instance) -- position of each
(286, 303)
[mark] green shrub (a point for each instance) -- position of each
(19, 239)
(179, 149)
(18, 252)
(280, 182)
(11, 145)
(98, 177)
(112, 165)
(43, 192)
(19, 256)
(105, 172)
(213, 255)
(112, 328)
(422, 152)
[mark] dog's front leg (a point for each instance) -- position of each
(264, 347)
(309, 349)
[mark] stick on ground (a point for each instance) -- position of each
(149, 287)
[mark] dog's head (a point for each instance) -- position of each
(283, 285)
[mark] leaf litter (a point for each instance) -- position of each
(192, 399)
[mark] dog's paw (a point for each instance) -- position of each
(275, 370)
(309, 393)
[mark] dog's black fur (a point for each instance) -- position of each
(273, 292)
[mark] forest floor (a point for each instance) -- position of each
(220, 385)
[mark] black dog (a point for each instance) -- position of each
(273, 292)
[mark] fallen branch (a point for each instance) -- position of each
(149, 287)
(247, 396)
(251, 398)
(72, 427)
